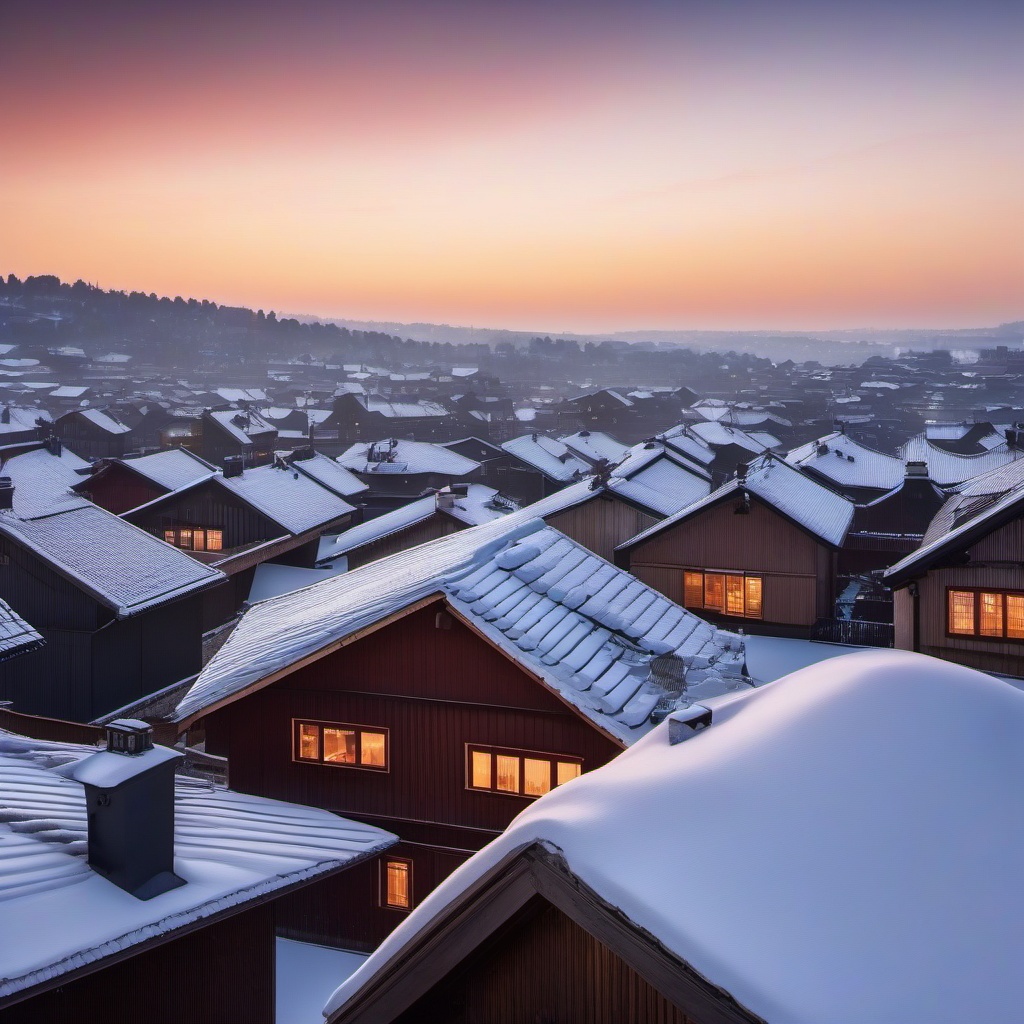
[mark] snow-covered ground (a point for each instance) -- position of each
(772, 657)
(306, 977)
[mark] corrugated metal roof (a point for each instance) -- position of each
(16, 635)
(849, 464)
(172, 469)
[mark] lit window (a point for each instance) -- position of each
(170, 536)
(334, 744)
(522, 772)
(989, 614)
(737, 595)
(214, 540)
(396, 887)
(195, 539)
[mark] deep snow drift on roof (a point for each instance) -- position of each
(842, 845)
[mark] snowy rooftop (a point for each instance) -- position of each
(839, 458)
(242, 425)
(20, 419)
(172, 469)
(16, 635)
(43, 481)
(402, 410)
(719, 434)
(230, 848)
(331, 474)
(547, 456)
(680, 440)
(595, 445)
(406, 457)
(585, 628)
(948, 469)
(840, 846)
(105, 421)
(659, 483)
(785, 488)
(120, 565)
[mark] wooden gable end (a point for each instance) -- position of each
(602, 523)
(119, 489)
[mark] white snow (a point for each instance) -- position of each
(839, 458)
(402, 457)
(306, 976)
(772, 657)
(840, 846)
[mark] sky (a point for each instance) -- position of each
(550, 165)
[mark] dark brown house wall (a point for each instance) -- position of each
(547, 968)
(119, 489)
(798, 571)
(602, 524)
(436, 526)
(221, 973)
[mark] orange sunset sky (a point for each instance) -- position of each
(534, 165)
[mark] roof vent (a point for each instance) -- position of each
(686, 722)
(233, 465)
(6, 492)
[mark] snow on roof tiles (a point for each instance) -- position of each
(406, 457)
(663, 486)
(330, 474)
(21, 419)
(43, 481)
(547, 456)
(122, 566)
(173, 469)
(849, 464)
(771, 851)
(298, 502)
(719, 435)
(595, 445)
(588, 629)
(230, 848)
(948, 469)
(105, 421)
(242, 425)
(16, 635)
(402, 410)
(799, 497)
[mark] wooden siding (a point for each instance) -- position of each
(903, 619)
(118, 489)
(438, 525)
(602, 524)
(224, 972)
(798, 571)
(545, 967)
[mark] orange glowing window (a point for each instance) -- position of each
(397, 884)
(738, 595)
(518, 772)
(985, 614)
(334, 744)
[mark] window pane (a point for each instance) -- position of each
(170, 536)
(372, 750)
(508, 773)
(198, 540)
(693, 589)
(734, 595)
(481, 770)
(753, 585)
(536, 776)
(340, 745)
(309, 742)
(1015, 616)
(185, 538)
(398, 894)
(714, 592)
(961, 611)
(567, 770)
(214, 540)
(991, 608)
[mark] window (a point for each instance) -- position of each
(193, 539)
(734, 594)
(519, 772)
(335, 744)
(396, 883)
(988, 614)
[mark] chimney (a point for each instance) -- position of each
(444, 498)
(5, 416)
(1011, 438)
(6, 492)
(918, 470)
(54, 446)
(685, 722)
(129, 796)
(741, 471)
(233, 465)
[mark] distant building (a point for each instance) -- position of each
(94, 433)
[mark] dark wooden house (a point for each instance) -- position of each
(439, 691)
(94, 434)
(606, 410)
(541, 466)
(498, 468)
(367, 417)
(237, 434)
(761, 552)
(81, 943)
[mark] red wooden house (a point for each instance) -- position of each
(437, 692)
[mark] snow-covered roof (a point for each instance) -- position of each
(16, 635)
(230, 848)
(405, 458)
(680, 440)
(402, 410)
(662, 485)
(67, 391)
(797, 496)
(20, 420)
(296, 501)
(585, 628)
(547, 456)
(242, 425)
(595, 446)
(849, 464)
(839, 846)
(123, 567)
(172, 469)
(242, 394)
(104, 420)
(949, 468)
(330, 474)
(43, 481)
(720, 435)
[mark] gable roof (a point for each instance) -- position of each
(401, 457)
(43, 481)
(550, 457)
(231, 849)
(847, 463)
(243, 425)
(330, 474)
(584, 628)
(720, 435)
(595, 446)
(119, 565)
(104, 420)
(810, 505)
(949, 469)
(171, 469)
(845, 914)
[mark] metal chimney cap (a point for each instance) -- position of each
(685, 722)
(129, 736)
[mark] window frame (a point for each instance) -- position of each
(976, 592)
(205, 531)
(382, 884)
(297, 724)
(523, 755)
(725, 576)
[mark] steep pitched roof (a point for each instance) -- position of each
(595, 446)
(550, 457)
(584, 628)
(172, 469)
(230, 848)
(330, 474)
(845, 462)
(802, 500)
(43, 481)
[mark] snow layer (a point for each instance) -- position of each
(330, 474)
(840, 846)
(548, 456)
(407, 457)
(172, 469)
(43, 481)
(306, 975)
(230, 848)
(949, 469)
(595, 446)
(16, 635)
(842, 460)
